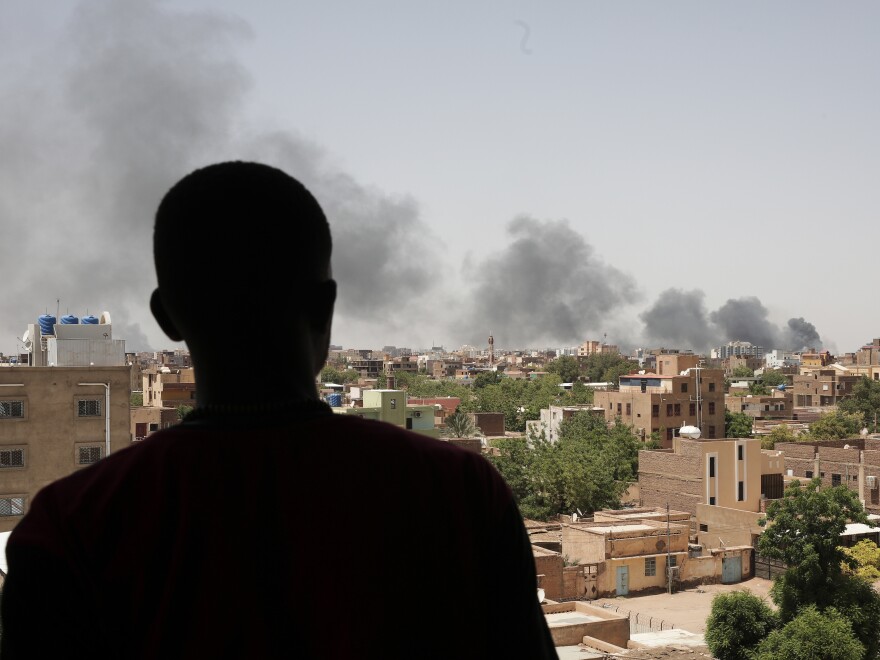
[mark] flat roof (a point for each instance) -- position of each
(558, 619)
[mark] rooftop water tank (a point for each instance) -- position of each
(47, 324)
(88, 319)
(69, 319)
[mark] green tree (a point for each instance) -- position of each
(589, 467)
(183, 411)
(758, 389)
(835, 425)
(803, 530)
(864, 400)
(742, 371)
(737, 623)
(567, 367)
(331, 375)
(813, 635)
(137, 399)
(866, 555)
(488, 378)
(773, 378)
(596, 366)
(780, 433)
(613, 373)
(737, 425)
(460, 425)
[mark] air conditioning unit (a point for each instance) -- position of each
(417, 413)
(871, 482)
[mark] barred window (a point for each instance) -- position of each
(11, 408)
(88, 455)
(89, 407)
(10, 458)
(11, 506)
(671, 560)
(650, 566)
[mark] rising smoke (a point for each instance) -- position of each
(95, 129)
(133, 98)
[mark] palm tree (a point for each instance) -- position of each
(461, 425)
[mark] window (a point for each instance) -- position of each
(393, 404)
(711, 432)
(88, 455)
(11, 409)
(671, 560)
(11, 458)
(711, 466)
(692, 409)
(808, 474)
(89, 407)
(704, 527)
(711, 387)
(711, 501)
(677, 410)
(835, 479)
(740, 491)
(684, 388)
(655, 410)
(618, 408)
(739, 452)
(669, 410)
(711, 407)
(629, 409)
(11, 506)
(669, 434)
(650, 566)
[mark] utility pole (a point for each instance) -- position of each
(668, 569)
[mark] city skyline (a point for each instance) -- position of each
(672, 173)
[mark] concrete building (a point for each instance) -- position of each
(662, 404)
(777, 405)
(552, 417)
(723, 484)
(631, 555)
(822, 386)
(391, 406)
(67, 407)
(164, 387)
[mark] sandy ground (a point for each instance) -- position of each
(685, 609)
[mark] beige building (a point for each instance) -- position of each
(631, 555)
(164, 387)
(822, 386)
(662, 404)
(723, 484)
(53, 421)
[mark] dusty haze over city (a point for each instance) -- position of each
(676, 174)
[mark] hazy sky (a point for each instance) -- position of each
(655, 173)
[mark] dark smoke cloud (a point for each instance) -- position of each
(679, 319)
(546, 286)
(101, 125)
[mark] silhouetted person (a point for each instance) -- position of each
(265, 525)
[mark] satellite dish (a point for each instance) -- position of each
(105, 318)
(27, 341)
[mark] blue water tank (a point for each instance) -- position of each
(69, 319)
(47, 324)
(335, 399)
(88, 319)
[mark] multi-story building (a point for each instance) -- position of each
(552, 417)
(778, 405)
(68, 406)
(777, 359)
(724, 484)
(391, 406)
(738, 349)
(818, 387)
(593, 347)
(655, 403)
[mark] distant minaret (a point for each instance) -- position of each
(491, 349)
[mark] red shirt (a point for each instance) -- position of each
(327, 537)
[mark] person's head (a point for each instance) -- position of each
(241, 246)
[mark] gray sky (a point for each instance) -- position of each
(654, 173)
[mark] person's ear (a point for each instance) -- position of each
(162, 318)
